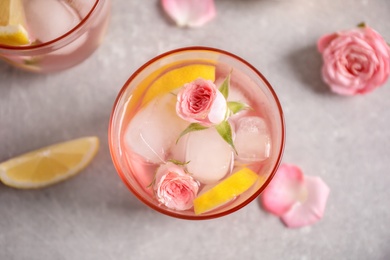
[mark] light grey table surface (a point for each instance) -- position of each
(345, 140)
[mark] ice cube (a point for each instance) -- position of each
(154, 129)
(83, 7)
(142, 171)
(49, 19)
(178, 151)
(210, 157)
(236, 95)
(252, 139)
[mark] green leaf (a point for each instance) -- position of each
(178, 162)
(224, 88)
(225, 131)
(152, 183)
(31, 61)
(236, 107)
(361, 25)
(192, 127)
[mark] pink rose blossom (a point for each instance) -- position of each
(201, 102)
(191, 13)
(299, 200)
(174, 188)
(355, 61)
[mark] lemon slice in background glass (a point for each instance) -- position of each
(228, 189)
(49, 165)
(12, 23)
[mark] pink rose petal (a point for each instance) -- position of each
(218, 109)
(310, 210)
(299, 200)
(324, 41)
(286, 188)
(192, 13)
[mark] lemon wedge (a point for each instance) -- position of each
(12, 23)
(176, 78)
(155, 85)
(49, 165)
(226, 190)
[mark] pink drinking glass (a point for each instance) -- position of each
(70, 46)
(224, 61)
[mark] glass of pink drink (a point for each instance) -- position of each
(199, 175)
(62, 33)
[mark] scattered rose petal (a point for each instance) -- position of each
(312, 209)
(356, 61)
(299, 200)
(191, 13)
(284, 190)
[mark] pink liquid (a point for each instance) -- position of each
(142, 172)
(47, 20)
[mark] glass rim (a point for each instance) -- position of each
(213, 215)
(55, 40)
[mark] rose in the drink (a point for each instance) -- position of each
(196, 133)
(51, 35)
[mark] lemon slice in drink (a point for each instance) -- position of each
(170, 80)
(226, 190)
(176, 78)
(49, 165)
(12, 23)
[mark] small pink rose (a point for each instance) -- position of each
(174, 188)
(201, 102)
(191, 13)
(297, 199)
(355, 61)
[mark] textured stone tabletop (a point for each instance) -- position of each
(344, 140)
